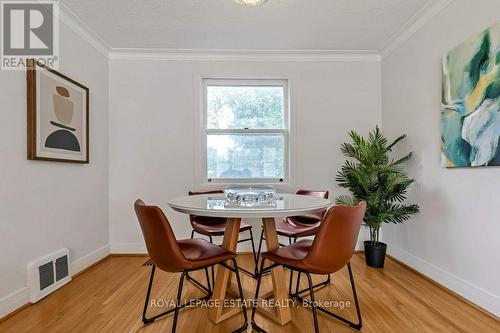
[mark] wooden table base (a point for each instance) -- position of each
(230, 242)
(280, 314)
(283, 314)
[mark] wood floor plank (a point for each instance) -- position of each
(109, 298)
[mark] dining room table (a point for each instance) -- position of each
(216, 205)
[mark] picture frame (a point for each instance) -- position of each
(57, 116)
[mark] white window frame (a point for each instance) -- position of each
(284, 131)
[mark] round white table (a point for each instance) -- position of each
(213, 205)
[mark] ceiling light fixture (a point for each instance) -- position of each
(250, 2)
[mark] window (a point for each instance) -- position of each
(245, 130)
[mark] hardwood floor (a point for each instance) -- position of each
(109, 298)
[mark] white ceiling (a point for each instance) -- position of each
(306, 25)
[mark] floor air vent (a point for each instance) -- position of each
(48, 273)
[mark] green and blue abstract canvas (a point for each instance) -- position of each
(470, 115)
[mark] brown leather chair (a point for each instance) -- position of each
(330, 251)
(215, 226)
(183, 256)
(302, 226)
(295, 227)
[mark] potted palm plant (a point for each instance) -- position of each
(372, 175)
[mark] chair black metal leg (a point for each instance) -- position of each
(356, 326)
(356, 301)
(298, 284)
(256, 298)
(199, 285)
(311, 291)
(255, 259)
(259, 251)
(243, 328)
(291, 270)
(148, 294)
(178, 302)
(316, 286)
(253, 273)
(175, 309)
(208, 282)
(212, 268)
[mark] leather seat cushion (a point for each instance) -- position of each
(293, 256)
(294, 227)
(213, 226)
(201, 253)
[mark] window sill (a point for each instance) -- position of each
(219, 184)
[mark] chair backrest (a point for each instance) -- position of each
(320, 194)
(160, 239)
(336, 239)
(206, 192)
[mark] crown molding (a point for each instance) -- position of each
(243, 55)
(72, 21)
(413, 25)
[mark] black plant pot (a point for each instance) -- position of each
(375, 254)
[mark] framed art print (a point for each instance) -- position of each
(470, 114)
(58, 116)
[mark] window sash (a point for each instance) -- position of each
(283, 133)
(247, 131)
(245, 83)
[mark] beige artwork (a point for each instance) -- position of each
(61, 117)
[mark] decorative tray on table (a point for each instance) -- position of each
(250, 196)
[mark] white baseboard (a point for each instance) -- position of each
(140, 248)
(14, 301)
(246, 247)
(89, 259)
(18, 298)
(128, 248)
(477, 295)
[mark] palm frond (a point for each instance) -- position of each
(403, 159)
(395, 142)
(345, 200)
(372, 175)
(400, 213)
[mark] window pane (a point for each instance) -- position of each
(245, 156)
(232, 107)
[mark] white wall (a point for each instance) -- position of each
(455, 240)
(154, 154)
(45, 206)
(154, 121)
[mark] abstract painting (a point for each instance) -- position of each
(470, 115)
(58, 116)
